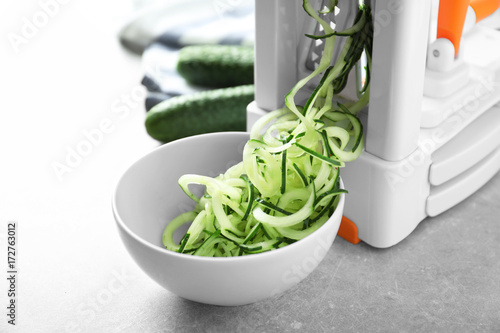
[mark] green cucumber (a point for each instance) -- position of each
(216, 66)
(208, 111)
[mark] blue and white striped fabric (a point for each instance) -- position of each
(222, 25)
(229, 22)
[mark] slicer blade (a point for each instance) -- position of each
(341, 18)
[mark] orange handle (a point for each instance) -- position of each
(484, 8)
(451, 20)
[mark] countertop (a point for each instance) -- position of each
(71, 89)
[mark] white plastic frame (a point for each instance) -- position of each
(423, 154)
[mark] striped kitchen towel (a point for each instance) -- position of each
(159, 32)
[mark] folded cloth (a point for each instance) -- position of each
(232, 27)
(161, 32)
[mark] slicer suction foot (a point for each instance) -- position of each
(348, 231)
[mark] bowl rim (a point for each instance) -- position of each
(254, 256)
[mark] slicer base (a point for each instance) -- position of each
(387, 199)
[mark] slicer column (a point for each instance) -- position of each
(398, 67)
(275, 50)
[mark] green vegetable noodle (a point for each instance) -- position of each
(287, 185)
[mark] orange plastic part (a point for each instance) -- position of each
(484, 8)
(348, 231)
(451, 20)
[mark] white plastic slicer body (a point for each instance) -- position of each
(433, 120)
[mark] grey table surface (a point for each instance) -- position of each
(74, 275)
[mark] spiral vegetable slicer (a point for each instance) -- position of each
(432, 125)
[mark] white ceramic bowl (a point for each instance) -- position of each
(148, 196)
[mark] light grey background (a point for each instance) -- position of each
(72, 77)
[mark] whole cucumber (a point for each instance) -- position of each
(216, 66)
(208, 111)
